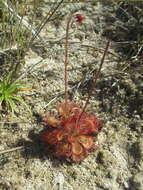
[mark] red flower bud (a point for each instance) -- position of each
(79, 18)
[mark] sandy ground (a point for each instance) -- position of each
(117, 101)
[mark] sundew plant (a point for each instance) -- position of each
(70, 133)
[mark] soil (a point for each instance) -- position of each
(117, 101)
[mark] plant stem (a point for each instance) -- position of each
(96, 77)
(66, 59)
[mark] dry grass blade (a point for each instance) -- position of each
(23, 21)
(47, 19)
(11, 150)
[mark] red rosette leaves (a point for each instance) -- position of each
(72, 132)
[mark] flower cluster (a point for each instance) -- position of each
(71, 133)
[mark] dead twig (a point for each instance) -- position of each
(11, 150)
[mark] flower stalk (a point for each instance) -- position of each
(78, 18)
(96, 76)
(66, 58)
